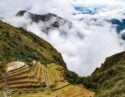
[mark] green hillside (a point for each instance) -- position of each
(110, 78)
(31, 67)
(18, 44)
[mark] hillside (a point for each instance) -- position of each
(31, 67)
(38, 80)
(18, 44)
(110, 78)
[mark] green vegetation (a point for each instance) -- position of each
(18, 44)
(30, 83)
(46, 78)
(69, 91)
(106, 81)
(73, 78)
(35, 76)
(110, 78)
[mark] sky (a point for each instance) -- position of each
(82, 55)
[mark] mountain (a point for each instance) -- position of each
(110, 77)
(18, 44)
(108, 80)
(29, 66)
(47, 22)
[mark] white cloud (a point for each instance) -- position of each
(10, 7)
(99, 38)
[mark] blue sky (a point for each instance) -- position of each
(85, 10)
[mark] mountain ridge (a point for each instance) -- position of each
(26, 44)
(20, 45)
(49, 21)
(109, 78)
(19, 49)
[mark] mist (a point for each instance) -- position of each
(90, 40)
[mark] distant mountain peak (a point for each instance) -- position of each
(21, 13)
(50, 21)
(37, 17)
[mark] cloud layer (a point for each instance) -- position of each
(91, 39)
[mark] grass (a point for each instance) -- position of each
(25, 80)
(110, 77)
(43, 74)
(28, 84)
(18, 73)
(24, 85)
(57, 71)
(69, 91)
(37, 70)
(24, 75)
(21, 45)
(18, 44)
(50, 79)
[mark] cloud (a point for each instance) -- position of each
(88, 42)
(10, 7)
(83, 56)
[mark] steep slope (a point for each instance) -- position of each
(110, 78)
(30, 65)
(18, 44)
(31, 78)
(38, 80)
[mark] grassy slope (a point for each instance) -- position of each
(69, 91)
(18, 44)
(63, 88)
(110, 78)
